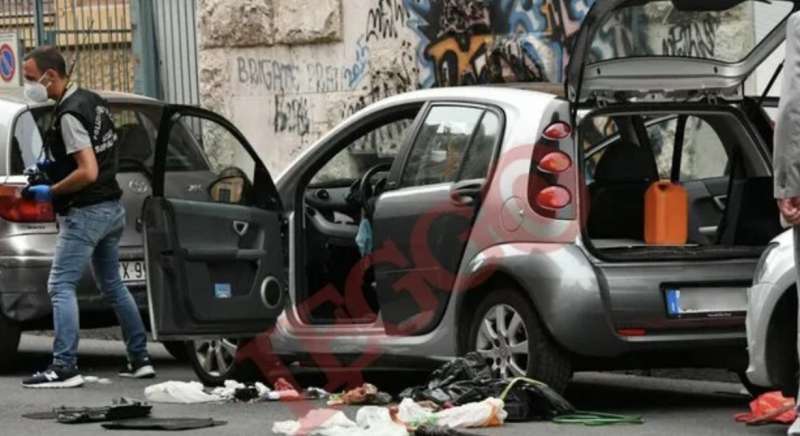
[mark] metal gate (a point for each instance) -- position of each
(143, 46)
(95, 33)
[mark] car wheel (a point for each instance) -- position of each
(177, 349)
(754, 390)
(507, 331)
(9, 342)
(214, 361)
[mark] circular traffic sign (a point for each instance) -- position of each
(8, 63)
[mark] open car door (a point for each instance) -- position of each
(673, 50)
(213, 244)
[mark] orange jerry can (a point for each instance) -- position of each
(666, 214)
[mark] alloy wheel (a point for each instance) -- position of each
(503, 340)
(217, 356)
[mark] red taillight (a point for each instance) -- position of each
(17, 209)
(557, 131)
(555, 162)
(554, 197)
(632, 332)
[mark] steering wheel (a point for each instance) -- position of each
(367, 189)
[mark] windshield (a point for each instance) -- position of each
(678, 28)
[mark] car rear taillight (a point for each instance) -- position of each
(555, 162)
(553, 174)
(554, 198)
(19, 210)
(557, 131)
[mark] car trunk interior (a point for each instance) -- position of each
(721, 163)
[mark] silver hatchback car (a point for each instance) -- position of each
(28, 231)
(487, 219)
(772, 320)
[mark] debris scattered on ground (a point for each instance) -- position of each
(95, 379)
(399, 420)
(457, 382)
(769, 408)
(121, 408)
(163, 424)
(366, 394)
(179, 392)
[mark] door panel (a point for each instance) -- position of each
(421, 229)
(216, 259)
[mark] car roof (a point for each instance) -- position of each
(16, 96)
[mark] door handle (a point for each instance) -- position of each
(721, 201)
(240, 227)
(467, 192)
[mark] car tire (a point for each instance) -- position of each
(544, 361)
(177, 349)
(207, 356)
(754, 390)
(9, 342)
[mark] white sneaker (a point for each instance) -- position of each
(795, 428)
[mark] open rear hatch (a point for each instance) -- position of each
(673, 50)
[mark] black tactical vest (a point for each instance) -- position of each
(93, 113)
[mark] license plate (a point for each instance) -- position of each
(711, 302)
(132, 271)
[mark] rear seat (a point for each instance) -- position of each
(623, 174)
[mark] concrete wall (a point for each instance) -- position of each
(286, 71)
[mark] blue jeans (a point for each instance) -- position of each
(91, 233)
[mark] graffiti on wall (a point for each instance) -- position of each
(465, 42)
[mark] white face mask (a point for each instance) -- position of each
(35, 91)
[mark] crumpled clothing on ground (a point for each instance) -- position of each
(769, 408)
(381, 421)
(366, 394)
(179, 392)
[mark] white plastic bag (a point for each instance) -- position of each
(178, 392)
(487, 413)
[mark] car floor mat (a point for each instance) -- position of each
(164, 424)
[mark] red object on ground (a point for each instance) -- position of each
(282, 385)
(769, 408)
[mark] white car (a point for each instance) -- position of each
(772, 318)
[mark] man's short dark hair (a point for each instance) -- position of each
(48, 57)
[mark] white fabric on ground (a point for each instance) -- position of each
(179, 392)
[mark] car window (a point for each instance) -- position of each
(704, 156)
(26, 144)
(231, 178)
(137, 127)
(480, 152)
(377, 146)
(440, 145)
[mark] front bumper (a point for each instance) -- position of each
(760, 305)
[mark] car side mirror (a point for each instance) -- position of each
(230, 189)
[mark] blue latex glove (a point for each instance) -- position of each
(364, 237)
(37, 193)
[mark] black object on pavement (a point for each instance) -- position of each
(163, 424)
(470, 379)
(430, 430)
(121, 408)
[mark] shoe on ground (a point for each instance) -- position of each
(55, 377)
(138, 369)
(795, 428)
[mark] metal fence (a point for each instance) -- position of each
(176, 39)
(144, 46)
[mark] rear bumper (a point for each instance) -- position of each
(761, 299)
(23, 288)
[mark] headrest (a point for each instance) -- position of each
(626, 162)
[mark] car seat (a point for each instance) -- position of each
(134, 144)
(623, 175)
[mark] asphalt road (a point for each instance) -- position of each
(677, 407)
